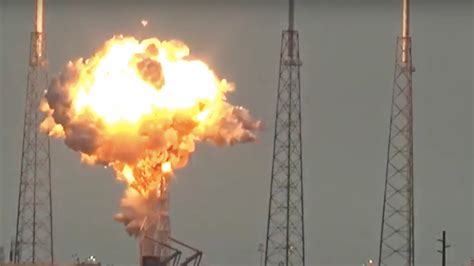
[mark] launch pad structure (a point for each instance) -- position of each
(173, 257)
(157, 247)
(397, 245)
(285, 238)
(34, 226)
(155, 230)
(285, 244)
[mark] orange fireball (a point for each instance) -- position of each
(140, 107)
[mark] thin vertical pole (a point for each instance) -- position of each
(291, 15)
(443, 248)
(405, 29)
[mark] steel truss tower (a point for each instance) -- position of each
(34, 227)
(155, 236)
(285, 225)
(397, 232)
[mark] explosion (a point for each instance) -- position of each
(140, 107)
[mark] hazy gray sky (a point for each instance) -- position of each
(219, 202)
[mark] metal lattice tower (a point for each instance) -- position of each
(285, 226)
(397, 233)
(155, 238)
(34, 234)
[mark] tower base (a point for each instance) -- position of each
(153, 261)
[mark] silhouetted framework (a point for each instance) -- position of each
(397, 232)
(285, 226)
(157, 227)
(34, 234)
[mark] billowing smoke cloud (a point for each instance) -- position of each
(140, 107)
(136, 208)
